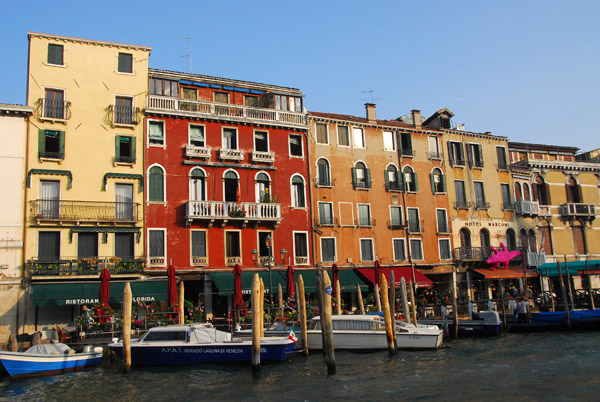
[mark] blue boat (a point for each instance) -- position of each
(48, 359)
(484, 323)
(581, 319)
(200, 343)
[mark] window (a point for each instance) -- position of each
(263, 250)
(55, 54)
(343, 136)
(51, 144)
(438, 181)
(231, 189)
(444, 246)
(125, 63)
(361, 176)
(301, 247)
(461, 196)
(399, 249)
(196, 135)
(358, 137)
(229, 138)
(364, 215)
(261, 141)
(124, 202)
(411, 183)
(475, 155)
(393, 182)
(526, 192)
(156, 184)
(198, 244)
(296, 145)
(291, 103)
(124, 248)
(54, 104)
(573, 191)
(87, 245)
(518, 196)
(163, 87)
(484, 239)
(323, 176)
(328, 249)
(541, 192)
(511, 240)
(322, 137)
(389, 141)
(49, 246)
(406, 144)
(325, 214)
(124, 149)
(49, 199)
(455, 154)
(263, 188)
(197, 185)
(221, 97)
(414, 223)
(546, 239)
(124, 113)
(501, 153)
(465, 238)
(251, 101)
(189, 93)
(156, 132)
(579, 239)
(506, 199)
(156, 244)
(298, 200)
(416, 249)
(232, 244)
(395, 216)
(479, 195)
(366, 250)
(434, 148)
(442, 221)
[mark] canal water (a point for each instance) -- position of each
(559, 366)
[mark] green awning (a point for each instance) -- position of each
(79, 293)
(224, 281)
(575, 267)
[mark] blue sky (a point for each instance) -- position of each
(527, 70)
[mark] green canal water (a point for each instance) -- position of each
(560, 366)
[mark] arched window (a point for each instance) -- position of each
(231, 190)
(298, 199)
(263, 188)
(484, 239)
(540, 191)
(526, 192)
(411, 183)
(323, 173)
(579, 238)
(511, 240)
(532, 241)
(518, 196)
(546, 237)
(156, 184)
(361, 176)
(438, 181)
(523, 239)
(573, 191)
(465, 238)
(197, 185)
(391, 178)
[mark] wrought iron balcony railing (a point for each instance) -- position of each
(482, 205)
(365, 223)
(124, 115)
(527, 207)
(324, 182)
(65, 266)
(462, 204)
(52, 109)
(472, 253)
(326, 221)
(395, 225)
(84, 211)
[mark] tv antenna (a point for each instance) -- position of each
(370, 92)
(189, 55)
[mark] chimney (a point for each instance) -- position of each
(370, 107)
(416, 116)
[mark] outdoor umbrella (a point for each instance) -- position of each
(336, 276)
(104, 287)
(172, 286)
(377, 266)
(290, 290)
(238, 303)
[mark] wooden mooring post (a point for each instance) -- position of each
(413, 302)
(262, 308)
(377, 298)
(302, 315)
(393, 305)
(127, 304)
(280, 300)
(454, 304)
(389, 334)
(181, 304)
(361, 305)
(404, 301)
(326, 325)
(338, 298)
(256, 322)
(564, 296)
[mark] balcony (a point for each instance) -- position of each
(157, 262)
(263, 157)
(325, 222)
(462, 204)
(326, 182)
(469, 254)
(193, 151)
(126, 160)
(54, 110)
(219, 111)
(199, 261)
(508, 206)
(481, 205)
(232, 211)
(407, 152)
(393, 186)
(231, 154)
(123, 115)
(301, 260)
(393, 225)
(83, 211)
(535, 259)
(73, 266)
(577, 210)
(365, 223)
(527, 208)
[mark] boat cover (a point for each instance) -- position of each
(49, 349)
(208, 335)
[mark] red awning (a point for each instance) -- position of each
(421, 280)
(510, 273)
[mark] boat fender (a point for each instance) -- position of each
(98, 349)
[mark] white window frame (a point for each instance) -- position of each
(399, 207)
(358, 205)
(257, 194)
(412, 254)
(132, 64)
(418, 220)
(330, 210)
(360, 242)
(362, 137)
(436, 142)
(472, 146)
(293, 193)
(411, 181)
(338, 135)
(164, 195)
(326, 134)
(166, 253)
(394, 239)
(63, 56)
(164, 133)
(191, 186)
(440, 241)
(392, 135)
(237, 140)
(241, 256)
(290, 145)
(223, 182)
(190, 139)
(205, 246)
(254, 140)
(307, 256)
(335, 256)
(437, 222)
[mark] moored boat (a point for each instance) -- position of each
(557, 320)
(48, 359)
(200, 343)
(484, 323)
(367, 332)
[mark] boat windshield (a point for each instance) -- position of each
(162, 336)
(350, 325)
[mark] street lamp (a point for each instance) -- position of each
(270, 261)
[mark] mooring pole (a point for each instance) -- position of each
(256, 322)
(302, 315)
(127, 327)
(386, 315)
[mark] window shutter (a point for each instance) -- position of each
(117, 146)
(368, 178)
(470, 155)
(547, 191)
(450, 154)
(132, 147)
(443, 178)
(400, 177)
(416, 181)
(480, 156)
(61, 143)
(41, 141)
(409, 142)
(354, 180)
(432, 180)
(387, 180)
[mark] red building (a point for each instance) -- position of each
(226, 171)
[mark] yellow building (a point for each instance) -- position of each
(84, 181)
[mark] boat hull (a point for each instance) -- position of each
(20, 365)
(374, 340)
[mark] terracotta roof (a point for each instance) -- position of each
(542, 147)
(346, 117)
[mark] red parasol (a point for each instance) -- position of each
(172, 286)
(377, 278)
(336, 276)
(104, 287)
(290, 290)
(238, 303)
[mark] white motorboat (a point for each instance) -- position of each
(367, 332)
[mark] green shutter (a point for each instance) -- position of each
(470, 156)
(431, 179)
(443, 177)
(61, 143)
(133, 141)
(480, 155)
(450, 154)
(354, 177)
(400, 176)
(368, 178)
(117, 146)
(387, 180)
(41, 141)
(416, 181)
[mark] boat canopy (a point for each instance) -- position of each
(575, 267)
